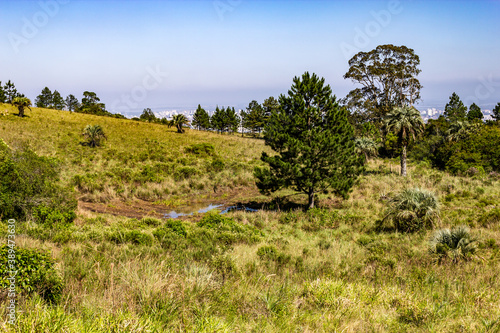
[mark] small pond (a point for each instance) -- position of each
(222, 210)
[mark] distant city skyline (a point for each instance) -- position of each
(178, 54)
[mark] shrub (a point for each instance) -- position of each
(29, 187)
(455, 244)
(413, 210)
(490, 217)
(35, 273)
(201, 149)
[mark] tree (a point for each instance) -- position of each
(72, 103)
(475, 113)
(11, 92)
(407, 123)
(179, 120)
(496, 112)
(21, 103)
(366, 146)
(455, 110)
(217, 121)
(312, 138)
(388, 75)
(94, 134)
(2, 94)
(90, 104)
(232, 120)
(254, 118)
(148, 116)
(44, 100)
(201, 119)
(57, 101)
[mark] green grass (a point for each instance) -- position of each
(326, 270)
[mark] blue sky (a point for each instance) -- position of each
(177, 54)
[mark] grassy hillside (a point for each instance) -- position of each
(139, 160)
(326, 270)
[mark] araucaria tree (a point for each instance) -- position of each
(313, 140)
(407, 123)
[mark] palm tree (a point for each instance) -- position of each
(407, 123)
(21, 103)
(94, 135)
(460, 130)
(178, 121)
(366, 146)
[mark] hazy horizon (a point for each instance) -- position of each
(168, 54)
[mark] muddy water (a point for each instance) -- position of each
(222, 210)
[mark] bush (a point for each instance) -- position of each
(35, 273)
(29, 188)
(490, 217)
(201, 149)
(413, 210)
(455, 244)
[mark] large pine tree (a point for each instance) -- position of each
(313, 140)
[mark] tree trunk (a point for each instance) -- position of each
(311, 199)
(403, 162)
(21, 111)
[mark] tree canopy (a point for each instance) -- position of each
(455, 109)
(201, 119)
(388, 76)
(313, 141)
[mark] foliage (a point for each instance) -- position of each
(388, 75)
(474, 113)
(72, 102)
(179, 121)
(44, 100)
(29, 188)
(455, 244)
(496, 112)
(455, 109)
(407, 124)
(413, 209)
(313, 139)
(367, 147)
(148, 116)
(21, 103)
(94, 135)
(255, 116)
(201, 149)
(481, 150)
(10, 92)
(201, 119)
(35, 273)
